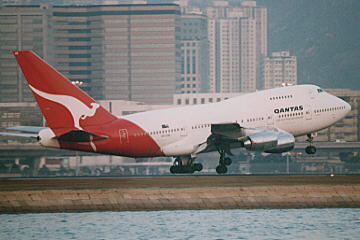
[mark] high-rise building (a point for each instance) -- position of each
(21, 28)
(194, 54)
(238, 44)
(128, 52)
(279, 70)
(120, 51)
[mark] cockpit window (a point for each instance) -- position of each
(320, 90)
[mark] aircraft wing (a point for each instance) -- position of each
(225, 136)
(227, 130)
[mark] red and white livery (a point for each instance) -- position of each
(265, 121)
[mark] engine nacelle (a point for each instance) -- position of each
(270, 142)
(261, 141)
(286, 142)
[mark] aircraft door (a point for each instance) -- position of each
(183, 132)
(308, 112)
(270, 120)
(124, 136)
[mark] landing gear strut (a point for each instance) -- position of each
(310, 149)
(185, 165)
(223, 162)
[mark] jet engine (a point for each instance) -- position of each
(270, 142)
(286, 142)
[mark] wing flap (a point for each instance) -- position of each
(223, 135)
(227, 130)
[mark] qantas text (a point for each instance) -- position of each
(289, 109)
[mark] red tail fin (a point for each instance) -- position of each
(62, 103)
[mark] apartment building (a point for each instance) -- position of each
(21, 28)
(237, 45)
(194, 54)
(280, 69)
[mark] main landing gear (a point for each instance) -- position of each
(223, 162)
(310, 149)
(185, 165)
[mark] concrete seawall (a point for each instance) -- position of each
(226, 193)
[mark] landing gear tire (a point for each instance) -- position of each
(310, 149)
(223, 162)
(227, 161)
(185, 167)
(198, 167)
(182, 169)
(173, 169)
(221, 169)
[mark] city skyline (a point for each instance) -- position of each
(139, 52)
(199, 85)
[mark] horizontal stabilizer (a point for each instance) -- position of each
(13, 134)
(80, 136)
(30, 129)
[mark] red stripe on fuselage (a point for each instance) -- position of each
(130, 145)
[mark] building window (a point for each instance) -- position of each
(80, 39)
(79, 55)
(80, 72)
(79, 64)
(194, 65)
(188, 64)
(79, 47)
(182, 66)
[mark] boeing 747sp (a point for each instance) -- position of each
(266, 121)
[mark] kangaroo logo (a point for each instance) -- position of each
(77, 108)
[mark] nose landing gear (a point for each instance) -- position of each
(310, 149)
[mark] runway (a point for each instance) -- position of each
(177, 192)
(180, 181)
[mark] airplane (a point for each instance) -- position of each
(265, 121)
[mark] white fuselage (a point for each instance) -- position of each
(298, 110)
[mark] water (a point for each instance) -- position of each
(205, 224)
